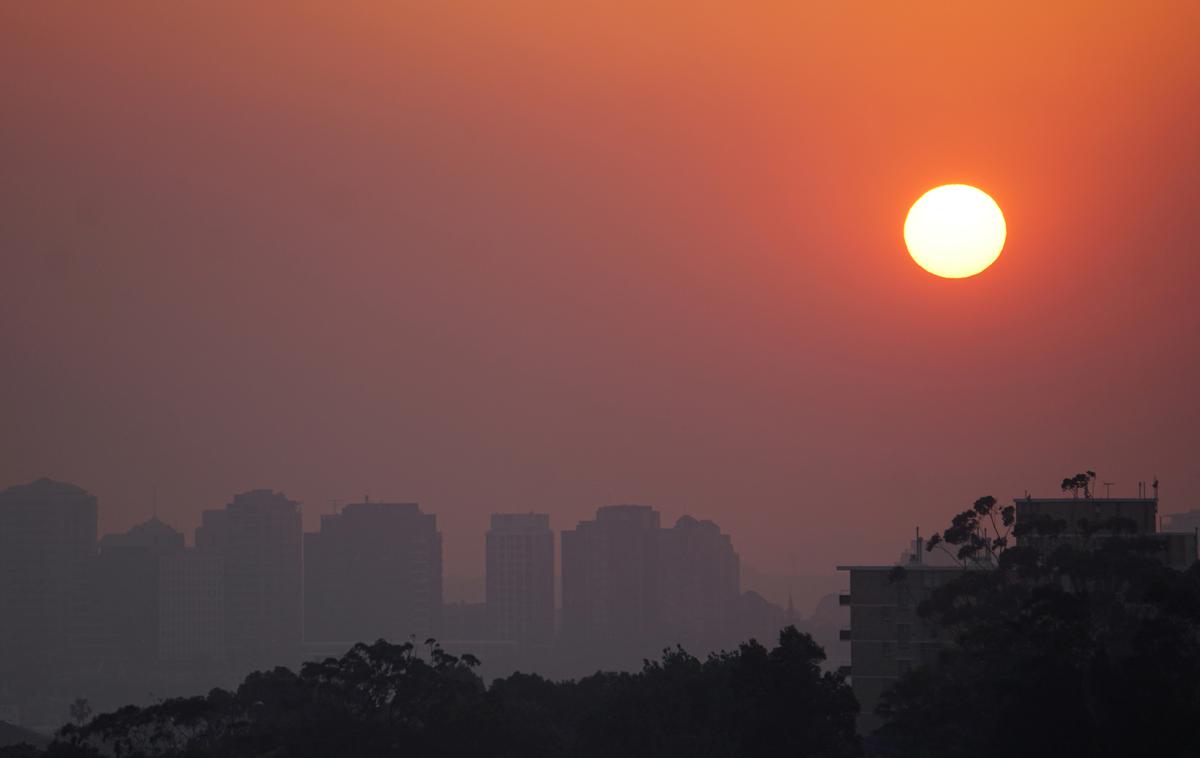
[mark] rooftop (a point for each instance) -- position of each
(894, 566)
(150, 533)
(1031, 499)
(44, 488)
(520, 522)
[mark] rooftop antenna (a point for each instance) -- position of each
(1106, 486)
(154, 500)
(1155, 485)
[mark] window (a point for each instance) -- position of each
(889, 650)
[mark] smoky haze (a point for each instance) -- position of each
(504, 261)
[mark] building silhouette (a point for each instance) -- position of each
(1084, 519)
(631, 588)
(760, 619)
(1188, 521)
(700, 585)
(191, 608)
(467, 624)
(47, 544)
(126, 593)
(887, 637)
(257, 537)
(140, 610)
(373, 571)
(612, 602)
(520, 578)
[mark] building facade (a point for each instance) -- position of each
(611, 573)
(700, 586)
(47, 545)
(632, 588)
(887, 637)
(1188, 521)
(257, 537)
(127, 593)
(373, 571)
(1083, 519)
(191, 608)
(520, 578)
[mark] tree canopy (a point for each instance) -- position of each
(1082, 646)
(384, 699)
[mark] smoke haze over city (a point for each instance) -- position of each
(573, 332)
(512, 258)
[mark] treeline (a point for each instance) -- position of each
(384, 699)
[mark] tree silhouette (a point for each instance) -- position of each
(80, 710)
(386, 700)
(975, 534)
(1079, 483)
(1075, 647)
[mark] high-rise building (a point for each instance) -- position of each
(373, 571)
(258, 539)
(126, 593)
(191, 608)
(700, 586)
(887, 637)
(1078, 515)
(611, 597)
(1187, 521)
(47, 540)
(520, 577)
(631, 588)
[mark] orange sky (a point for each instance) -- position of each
(547, 256)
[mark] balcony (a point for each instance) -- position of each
(844, 634)
(844, 598)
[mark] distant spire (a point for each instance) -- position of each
(791, 607)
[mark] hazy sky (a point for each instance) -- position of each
(514, 256)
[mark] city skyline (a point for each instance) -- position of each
(569, 380)
(160, 536)
(113, 615)
(254, 590)
(621, 257)
(805, 581)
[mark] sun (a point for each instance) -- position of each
(955, 231)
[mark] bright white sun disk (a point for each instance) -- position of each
(955, 231)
